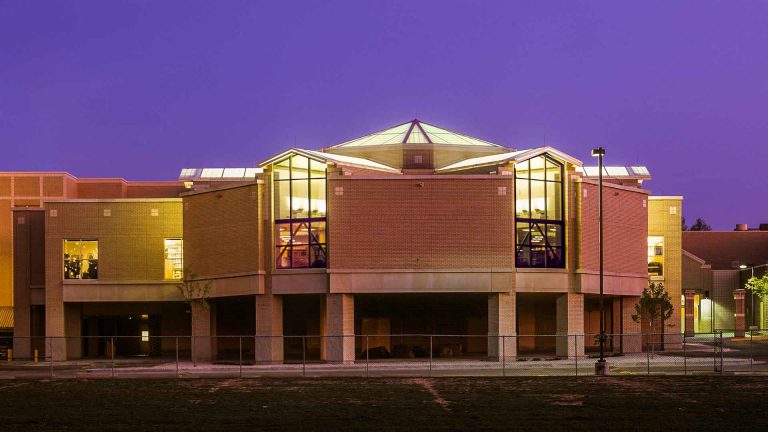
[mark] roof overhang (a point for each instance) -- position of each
(330, 158)
(504, 158)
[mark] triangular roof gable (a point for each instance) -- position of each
(415, 132)
(515, 156)
(328, 157)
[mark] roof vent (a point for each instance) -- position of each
(742, 227)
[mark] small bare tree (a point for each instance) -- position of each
(195, 294)
(655, 306)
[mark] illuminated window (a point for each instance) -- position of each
(81, 259)
(174, 259)
(539, 226)
(656, 256)
(300, 209)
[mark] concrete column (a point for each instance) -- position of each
(203, 328)
(689, 308)
(631, 338)
(22, 331)
(501, 322)
(740, 322)
(73, 323)
(269, 329)
(570, 325)
(339, 338)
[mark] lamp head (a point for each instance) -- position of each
(598, 151)
(742, 266)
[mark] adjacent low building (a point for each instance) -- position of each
(410, 231)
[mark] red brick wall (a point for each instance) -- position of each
(104, 189)
(626, 230)
(154, 190)
(446, 223)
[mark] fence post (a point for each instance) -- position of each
(503, 356)
(50, 350)
(576, 352)
(714, 351)
(430, 355)
(721, 352)
(177, 356)
(367, 355)
(648, 355)
(751, 355)
(685, 359)
(240, 340)
(112, 353)
(304, 356)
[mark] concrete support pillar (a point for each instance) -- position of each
(689, 307)
(203, 332)
(502, 339)
(631, 338)
(740, 321)
(269, 329)
(73, 329)
(570, 325)
(339, 336)
(22, 331)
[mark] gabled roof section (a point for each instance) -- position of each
(416, 132)
(501, 158)
(331, 158)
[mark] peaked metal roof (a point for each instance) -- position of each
(416, 132)
(628, 172)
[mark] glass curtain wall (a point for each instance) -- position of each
(300, 213)
(539, 218)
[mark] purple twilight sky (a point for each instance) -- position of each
(141, 89)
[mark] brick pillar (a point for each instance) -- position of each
(269, 328)
(740, 324)
(73, 327)
(501, 322)
(631, 338)
(339, 336)
(570, 325)
(22, 331)
(203, 328)
(689, 307)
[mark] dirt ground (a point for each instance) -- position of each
(416, 404)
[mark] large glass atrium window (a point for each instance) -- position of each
(174, 258)
(300, 201)
(655, 256)
(81, 259)
(539, 219)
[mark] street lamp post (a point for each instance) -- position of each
(601, 368)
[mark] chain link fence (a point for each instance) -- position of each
(417, 355)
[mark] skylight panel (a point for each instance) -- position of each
(234, 173)
(212, 173)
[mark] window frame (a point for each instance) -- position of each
(522, 245)
(288, 248)
(64, 260)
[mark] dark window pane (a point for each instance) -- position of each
(317, 256)
(538, 256)
(300, 256)
(554, 235)
(523, 233)
(523, 256)
(555, 257)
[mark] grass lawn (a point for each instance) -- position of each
(529, 403)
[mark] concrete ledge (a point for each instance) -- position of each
(300, 283)
(120, 292)
(422, 281)
(627, 284)
(543, 281)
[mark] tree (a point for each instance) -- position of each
(684, 225)
(758, 285)
(701, 225)
(195, 295)
(655, 306)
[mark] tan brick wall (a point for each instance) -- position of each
(446, 223)
(131, 240)
(6, 253)
(625, 229)
(5, 185)
(221, 231)
(666, 222)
